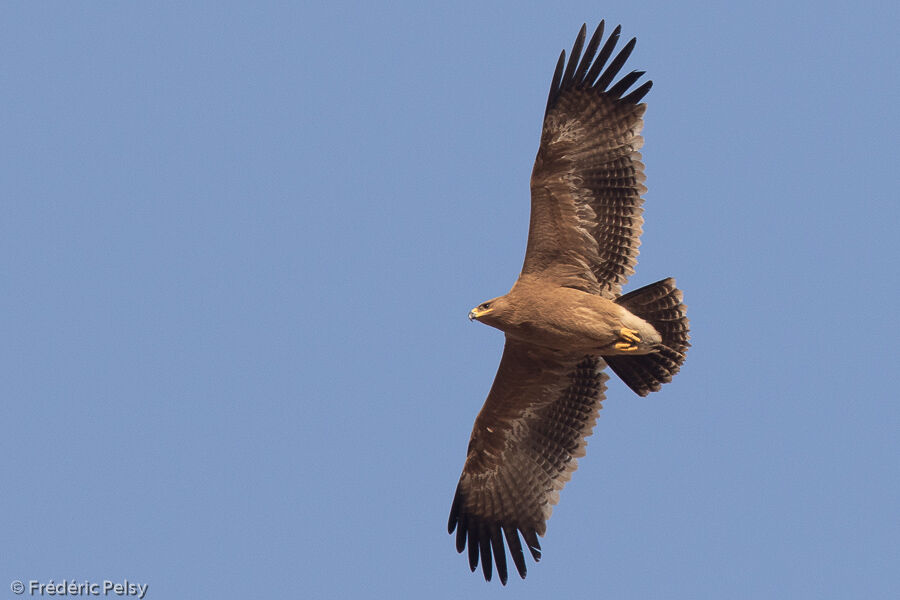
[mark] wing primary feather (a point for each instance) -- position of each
(616, 64)
(454, 512)
(589, 54)
(499, 552)
(554, 85)
(484, 541)
(625, 83)
(515, 550)
(461, 538)
(603, 56)
(458, 522)
(473, 548)
(573, 58)
(637, 95)
(533, 544)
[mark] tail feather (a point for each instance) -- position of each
(661, 305)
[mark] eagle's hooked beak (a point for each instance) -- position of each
(478, 312)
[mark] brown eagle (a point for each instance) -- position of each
(565, 318)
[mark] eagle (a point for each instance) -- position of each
(565, 319)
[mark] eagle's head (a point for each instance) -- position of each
(493, 312)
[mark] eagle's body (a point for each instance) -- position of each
(565, 319)
(559, 318)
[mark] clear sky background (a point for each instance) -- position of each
(238, 244)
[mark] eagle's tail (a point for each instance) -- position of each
(660, 304)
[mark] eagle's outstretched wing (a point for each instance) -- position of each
(523, 449)
(587, 181)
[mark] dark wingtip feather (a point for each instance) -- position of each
(573, 58)
(613, 69)
(454, 512)
(485, 542)
(557, 76)
(461, 539)
(473, 550)
(589, 53)
(499, 552)
(589, 71)
(638, 94)
(623, 84)
(515, 550)
(487, 563)
(601, 59)
(533, 544)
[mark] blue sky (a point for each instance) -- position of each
(239, 242)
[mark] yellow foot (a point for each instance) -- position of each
(631, 336)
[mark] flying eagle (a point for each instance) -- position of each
(565, 318)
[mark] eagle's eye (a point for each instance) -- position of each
(486, 306)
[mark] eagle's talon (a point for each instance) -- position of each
(625, 346)
(632, 335)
